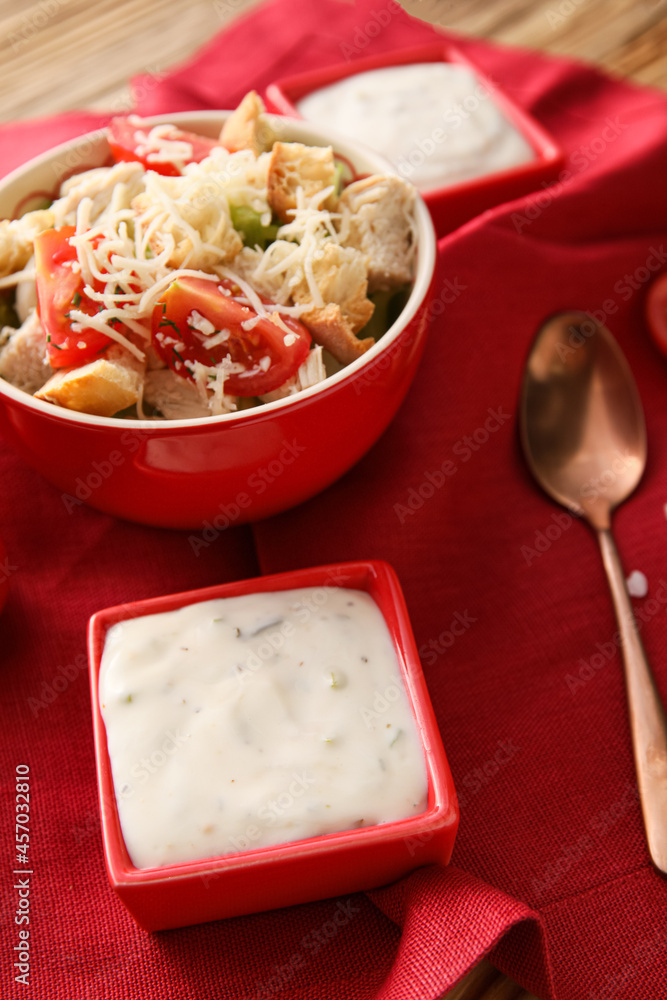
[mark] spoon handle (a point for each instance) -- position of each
(648, 724)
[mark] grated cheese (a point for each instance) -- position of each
(137, 231)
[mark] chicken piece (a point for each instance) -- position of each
(103, 387)
(246, 128)
(26, 294)
(197, 229)
(330, 329)
(382, 226)
(292, 166)
(23, 360)
(17, 237)
(175, 397)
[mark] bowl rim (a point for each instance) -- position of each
(283, 94)
(379, 579)
(425, 270)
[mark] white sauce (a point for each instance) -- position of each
(436, 122)
(257, 720)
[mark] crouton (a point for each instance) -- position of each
(23, 360)
(246, 128)
(382, 227)
(17, 237)
(103, 387)
(331, 330)
(340, 275)
(293, 165)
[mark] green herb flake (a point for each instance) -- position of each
(169, 322)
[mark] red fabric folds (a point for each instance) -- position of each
(551, 876)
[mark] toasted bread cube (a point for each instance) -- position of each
(246, 128)
(23, 360)
(292, 166)
(17, 238)
(340, 275)
(331, 330)
(102, 387)
(382, 227)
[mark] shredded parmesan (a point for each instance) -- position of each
(136, 231)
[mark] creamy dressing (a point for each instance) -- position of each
(256, 720)
(436, 122)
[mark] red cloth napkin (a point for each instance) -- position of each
(551, 876)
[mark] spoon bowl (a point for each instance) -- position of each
(584, 438)
(582, 422)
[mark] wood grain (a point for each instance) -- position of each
(59, 55)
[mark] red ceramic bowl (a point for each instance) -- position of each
(450, 206)
(210, 473)
(306, 870)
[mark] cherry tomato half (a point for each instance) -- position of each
(268, 353)
(656, 311)
(125, 141)
(59, 289)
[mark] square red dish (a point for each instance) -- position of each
(319, 867)
(452, 205)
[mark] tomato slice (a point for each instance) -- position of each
(191, 307)
(127, 139)
(656, 311)
(60, 288)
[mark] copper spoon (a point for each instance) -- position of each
(584, 438)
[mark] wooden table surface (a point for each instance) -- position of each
(58, 55)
